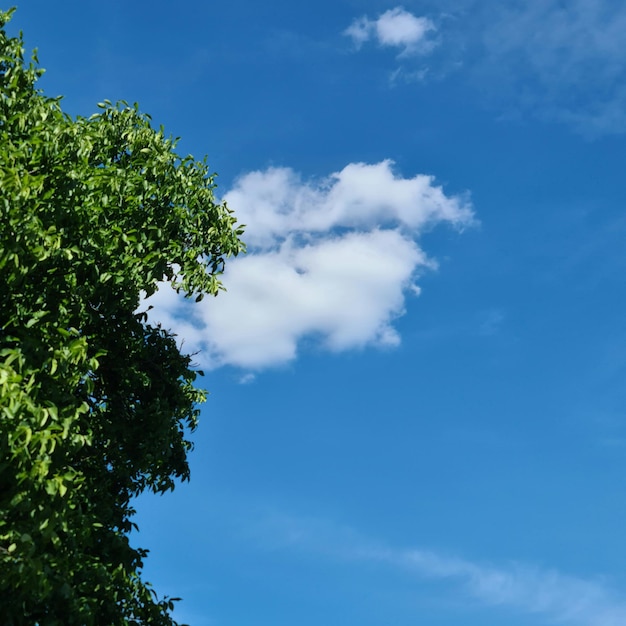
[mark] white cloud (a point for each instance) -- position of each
(395, 28)
(330, 260)
(550, 595)
(277, 203)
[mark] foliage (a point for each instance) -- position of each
(95, 403)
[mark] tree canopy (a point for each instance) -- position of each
(96, 404)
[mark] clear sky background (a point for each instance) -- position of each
(418, 373)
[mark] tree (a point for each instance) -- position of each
(96, 404)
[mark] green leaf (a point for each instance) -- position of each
(96, 405)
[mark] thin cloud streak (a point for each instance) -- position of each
(560, 598)
(516, 587)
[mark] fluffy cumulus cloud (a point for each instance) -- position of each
(395, 28)
(329, 260)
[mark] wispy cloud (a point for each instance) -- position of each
(395, 28)
(566, 61)
(557, 61)
(555, 596)
(513, 586)
(490, 322)
(330, 259)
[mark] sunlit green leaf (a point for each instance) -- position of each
(96, 405)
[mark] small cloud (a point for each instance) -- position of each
(407, 76)
(490, 322)
(395, 28)
(360, 31)
(246, 379)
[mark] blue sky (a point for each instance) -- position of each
(417, 373)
